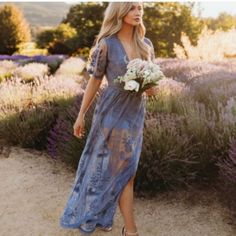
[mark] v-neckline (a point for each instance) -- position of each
(122, 48)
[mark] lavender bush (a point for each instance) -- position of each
(6, 69)
(227, 177)
(61, 141)
(28, 110)
(53, 61)
(181, 128)
(187, 128)
(208, 82)
(31, 71)
(181, 150)
(28, 128)
(73, 68)
(169, 156)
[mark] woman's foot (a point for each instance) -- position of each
(126, 233)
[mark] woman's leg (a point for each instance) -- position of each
(126, 206)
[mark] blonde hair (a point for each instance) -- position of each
(112, 23)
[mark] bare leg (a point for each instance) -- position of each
(126, 206)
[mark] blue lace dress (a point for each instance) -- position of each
(113, 145)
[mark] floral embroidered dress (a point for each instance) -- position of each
(113, 146)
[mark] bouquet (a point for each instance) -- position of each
(140, 75)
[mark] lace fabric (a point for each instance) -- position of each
(112, 150)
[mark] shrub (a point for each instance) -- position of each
(181, 146)
(7, 69)
(169, 156)
(227, 177)
(14, 29)
(21, 102)
(209, 83)
(31, 71)
(61, 141)
(59, 40)
(71, 66)
(53, 61)
(28, 128)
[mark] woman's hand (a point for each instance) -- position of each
(79, 126)
(152, 91)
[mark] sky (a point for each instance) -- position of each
(213, 8)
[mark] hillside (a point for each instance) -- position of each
(42, 13)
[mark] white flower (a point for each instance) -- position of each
(131, 85)
(129, 75)
(146, 73)
(140, 73)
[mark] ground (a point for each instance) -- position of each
(35, 188)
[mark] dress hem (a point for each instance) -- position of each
(77, 226)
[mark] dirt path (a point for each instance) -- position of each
(34, 190)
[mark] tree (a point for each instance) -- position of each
(166, 21)
(86, 18)
(14, 29)
(223, 22)
(164, 24)
(58, 40)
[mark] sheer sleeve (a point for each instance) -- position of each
(97, 65)
(149, 42)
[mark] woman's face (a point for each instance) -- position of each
(134, 16)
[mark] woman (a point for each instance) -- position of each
(108, 164)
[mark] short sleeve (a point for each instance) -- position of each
(97, 65)
(149, 42)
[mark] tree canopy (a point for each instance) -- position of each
(14, 29)
(164, 23)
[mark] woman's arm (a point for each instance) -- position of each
(89, 95)
(97, 69)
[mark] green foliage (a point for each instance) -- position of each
(223, 22)
(61, 141)
(27, 128)
(82, 52)
(43, 13)
(169, 156)
(86, 18)
(30, 49)
(30, 127)
(14, 29)
(5, 76)
(181, 148)
(165, 23)
(60, 40)
(45, 37)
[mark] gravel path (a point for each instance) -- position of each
(34, 190)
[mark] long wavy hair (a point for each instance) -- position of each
(112, 23)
